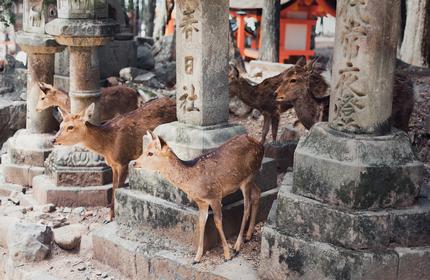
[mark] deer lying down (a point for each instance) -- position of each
(209, 178)
(114, 101)
(118, 140)
(304, 87)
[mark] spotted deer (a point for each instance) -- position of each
(209, 178)
(261, 97)
(118, 140)
(305, 88)
(114, 101)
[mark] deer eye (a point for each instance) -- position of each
(293, 80)
(70, 127)
(43, 98)
(150, 154)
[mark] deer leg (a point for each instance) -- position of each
(122, 175)
(114, 187)
(275, 125)
(203, 216)
(255, 200)
(245, 188)
(266, 126)
(217, 211)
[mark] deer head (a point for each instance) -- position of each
(296, 82)
(233, 73)
(47, 97)
(155, 153)
(74, 127)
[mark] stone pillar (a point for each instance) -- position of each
(29, 148)
(78, 177)
(352, 205)
(202, 84)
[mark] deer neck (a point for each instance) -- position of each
(307, 110)
(98, 140)
(63, 101)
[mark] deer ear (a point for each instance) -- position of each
(146, 139)
(89, 113)
(301, 62)
(43, 87)
(63, 114)
(157, 140)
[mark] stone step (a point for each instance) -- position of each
(296, 215)
(45, 191)
(152, 257)
(145, 212)
(19, 174)
(284, 256)
(154, 184)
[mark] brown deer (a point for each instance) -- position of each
(114, 101)
(209, 178)
(261, 97)
(118, 140)
(305, 88)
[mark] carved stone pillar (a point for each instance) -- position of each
(77, 177)
(29, 148)
(351, 208)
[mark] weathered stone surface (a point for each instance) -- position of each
(129, 73)
(357, 171)
(83, 29)
(164, 50)
(45, 191)
(413, 263)
(189, 141)
(69, 237)
(12, 118)
(6, 224)
(30, 149)
(145, 58)
(179, 222)
(21, 174)
(308, 219)
(89, 9)
(166, 73)
(284, 257)
(116, 55)
(29, 242)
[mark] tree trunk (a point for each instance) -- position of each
(149, 16)
(415, 48)
(270, 31)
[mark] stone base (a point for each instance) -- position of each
(357, 171)
(189, 142)
(45, 191)
(151, 257)
(282, 153)
(7, 189)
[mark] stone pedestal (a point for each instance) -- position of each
(29, 148)
(83, 27)
(352, 205)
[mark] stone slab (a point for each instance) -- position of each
(40, 43)
(20, 174)
(82, 28)
(154, 184)
(30, 148)
(45, 191)
(296, 215)
(413, 263)
(357, 171)
(145, 212)
(6, 188)
(153, 258)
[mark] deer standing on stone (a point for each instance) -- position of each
(209, 178)
(114, 101)
(305, 88)
(261, 97)
(118, 140)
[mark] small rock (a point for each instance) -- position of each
(144, 77)
(48, 208)
(15, 198)
(81, 267)
(78, 210)
(255, 114)
(69, 237)
(67, 210)
(129, 73)
(104, 275)
(98, 273)
(145, 58)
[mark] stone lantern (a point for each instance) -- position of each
(76, 175)
(29, 148)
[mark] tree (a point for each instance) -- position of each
(270, 30)
(149, 16)
(7, 17)
(415, 48)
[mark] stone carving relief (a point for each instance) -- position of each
(189, 64)
(350, 100)
(187, 100)
(75, 156)
(189, 23)
(35, 16)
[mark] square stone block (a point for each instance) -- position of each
(21, 174)
(357, 171)
(413, 263)
(82, 9)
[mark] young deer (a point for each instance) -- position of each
(305, 88)
(118, 140)
(209, 178)
(261, 97)
(114, 101)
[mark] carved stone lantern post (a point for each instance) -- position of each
(352, 208)
(29, 148)
(77, 176)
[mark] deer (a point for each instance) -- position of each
(261, 97)
(209, 178)
(114, 100)
(118, 140)
(306, 90)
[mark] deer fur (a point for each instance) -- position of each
(261, 97)
(304, 87)
(114, 101)
(118, 140)
(209, 178)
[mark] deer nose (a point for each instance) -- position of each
(54, 141)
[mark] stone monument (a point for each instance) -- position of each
(77, 177)
(352, 209)
(29, 148)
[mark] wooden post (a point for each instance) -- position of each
(269, 50)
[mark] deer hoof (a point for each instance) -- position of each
(235, 253)
(195, 262)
